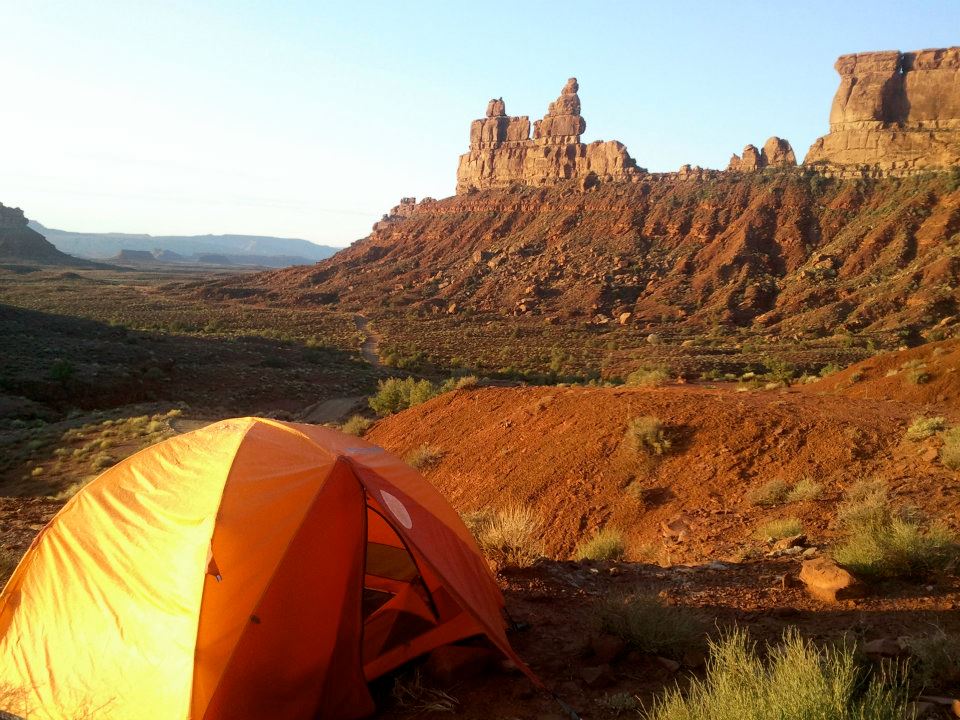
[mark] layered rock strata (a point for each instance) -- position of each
(776, 152)
(894, 114)
(503, 154)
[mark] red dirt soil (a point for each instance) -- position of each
(888, 376)
(561, 452)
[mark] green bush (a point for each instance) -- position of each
(356, 425)
(647, 625)
(394, 395)
(648, 377)
(799, 681)
(647, 435)
(606, 544)
(883, 540)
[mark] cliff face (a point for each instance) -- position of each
(894, 114)
(503, 154)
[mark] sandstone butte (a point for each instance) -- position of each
(894, 114)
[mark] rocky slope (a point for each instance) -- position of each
(782, 250)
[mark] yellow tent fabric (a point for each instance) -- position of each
(222, 574)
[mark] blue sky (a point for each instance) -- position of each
(310, 119)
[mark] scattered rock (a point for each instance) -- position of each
(828, 581)
(795, 541)
(671, 666)
(884, 647)
(950, 704)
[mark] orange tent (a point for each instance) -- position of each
(250, 569)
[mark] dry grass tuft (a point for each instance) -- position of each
(606, 544)
(509, 536)
(797, 681)
(921, 428)
(782, 528)
(647, 625)
(772, 493)
(884, 540)
(647, 435)
(805, 489)
(423, 457)
(950, 452)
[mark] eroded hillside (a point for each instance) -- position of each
(783, 251)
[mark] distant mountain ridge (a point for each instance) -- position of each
(239, 249)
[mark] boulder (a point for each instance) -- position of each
(826, 580)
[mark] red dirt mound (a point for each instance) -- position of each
(928, 376)
(561, 451)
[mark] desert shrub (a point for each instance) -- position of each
(62, 371)
(916, 372)
(780, 370)
(423, 457)
(798, 681)
(883, 540)
(508, 536)
(101, 461)
(935, 658)
(606, 544)
(647, 377)
(771, 493)
(72, 489)
(356, 425)
(950, 452)
(394, 395)
(647, 435)
(781, 528)
(805, 489)
(647, 625)
(829, 369)
(921, 428)
(467, 381)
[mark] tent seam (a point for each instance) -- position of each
(268, 583)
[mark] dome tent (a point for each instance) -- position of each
(249, 569)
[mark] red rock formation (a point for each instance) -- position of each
(502, 153)
(776, 153)
(894, 114)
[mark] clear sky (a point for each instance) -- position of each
(310, 118)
